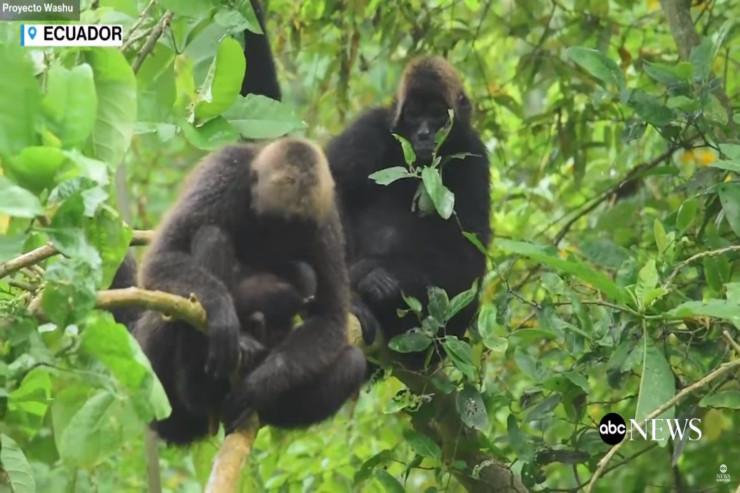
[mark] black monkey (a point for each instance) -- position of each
(390, 248)
(277, 205)
(266, 303)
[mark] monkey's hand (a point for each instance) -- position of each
(253, 352)
(368, 323)
(378, 285)
(237, 406)
(223, 342)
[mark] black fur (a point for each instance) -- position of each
(309, 374)
(391, 249)
(125, 277)
(261, 75)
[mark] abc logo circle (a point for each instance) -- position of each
(612, 428)
(723, 468)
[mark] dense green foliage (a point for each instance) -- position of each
(616, 211)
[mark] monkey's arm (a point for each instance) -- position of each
(261, 75)
(362, 149)
(177, 272)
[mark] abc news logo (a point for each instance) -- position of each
(613, 429)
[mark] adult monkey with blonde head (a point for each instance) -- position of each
(275, 205)
(390, 248)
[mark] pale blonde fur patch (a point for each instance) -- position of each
(292, 180)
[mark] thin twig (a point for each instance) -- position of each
(721, 370)
(612, 190)
(152, 41)
(732, 342)
(40, 254)
(698, 256)
(137, 24)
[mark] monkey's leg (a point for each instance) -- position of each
(316, 401)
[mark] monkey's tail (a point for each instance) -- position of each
(261, 75)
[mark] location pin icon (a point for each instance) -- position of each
(32, 32)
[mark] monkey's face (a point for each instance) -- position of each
(420, 120)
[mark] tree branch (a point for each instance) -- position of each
(152, 40)
(698, 256)
(42, 253)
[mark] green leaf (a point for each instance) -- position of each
(471, 408)
(686, 214)
(438, 303)
(598, 65)
(17, 473)
(733, 166)
(389, 175)
(367, 467)
(461, 300)
(11, 246)
(412, 303)
(714, 111)
(111, 237)
(683, 103)
(548, 256)
(461, 355)
(97, 430)
(647, 280)
(35, 167)
(728, 310)
(116, 88)
(729, 197)
(71, 289)
(728, 399)
(650, 108)
(410, 342)
(66, 228)
(442, 198)
(701, 59)
(661, 239)
(71, 103)
(223, 82)
(28, 403)
(520, 442)
(112, 344)
(210, 136)
(712, 273)
(422, 445)
(488, 327)
(18, 202)
(259, 117)
(543, 409)
(187, 8)
(657, 384)
(389, 483)
(732, 151)
(409, 156)
(19, 100)
(441, 135)
(665, 74)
